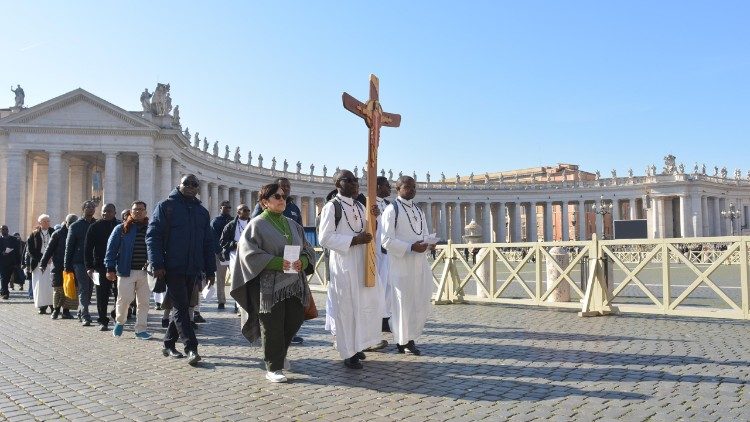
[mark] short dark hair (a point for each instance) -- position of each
(281, 179)
(268, 190)
(138, 202)
(403, 179)
(225, 204)
(382, 180)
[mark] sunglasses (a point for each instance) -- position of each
(190, 184)
(277, 196)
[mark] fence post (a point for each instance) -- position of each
(597, 298)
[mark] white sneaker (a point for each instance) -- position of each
(277, 376)
(287, 365)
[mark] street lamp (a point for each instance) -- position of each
(732, 214)
(602, 209)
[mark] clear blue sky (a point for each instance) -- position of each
(481, 85)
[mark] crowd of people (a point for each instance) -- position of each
(264, 254)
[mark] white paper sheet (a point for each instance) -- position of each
(95, 277)
(431, 239)
(8, 250)
(209, 293)
(291, 254)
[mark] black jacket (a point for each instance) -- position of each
(34, 248)
(56, 250)
(217, 225)
(12, 259)
(227, 241)
(74, 244)
(95, 246)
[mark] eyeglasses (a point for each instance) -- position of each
(277, 196)
(191, 184)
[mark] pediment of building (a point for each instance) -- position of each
(77, 109)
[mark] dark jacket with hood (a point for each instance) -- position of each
(96, 243)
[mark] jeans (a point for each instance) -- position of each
(85, 288)
(180, 289)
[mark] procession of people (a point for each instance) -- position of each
(264, 257)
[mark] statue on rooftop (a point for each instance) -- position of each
(737, 174)
(458, 178)
(176, 116)
(186, 132)
(669, 164)
(382, 172)
(237, 155)
(196, 140)
(249, 158)
(428, 177)
(226, 152)
(312, 169)
(273, 163)
(20, 95)
(653, 170)
(390, 174)
(681, 169)
(286, 165)
(471, 178)
(414, 176)
(703, 169)
(205, 144)
(260, 160)
(630, 173)
(299, 167)
(161, 101)
(355, 171)
(216, 148)
(146, 100)
(597, 175)
(400, 174)
(696, 169)
(723, 172)
(325, 170)
(442, 177)
(487, 178)
(614, 173)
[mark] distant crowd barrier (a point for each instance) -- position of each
(695, 277)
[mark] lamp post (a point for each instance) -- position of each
(602, 209)
(732, 214)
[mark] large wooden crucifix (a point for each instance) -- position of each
(374, 117)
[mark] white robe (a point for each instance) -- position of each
(353, 311)
(381, 260)
(409, 272)
(42, 282)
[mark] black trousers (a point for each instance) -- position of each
(179, 291)
(277, 329)
(103, 292)
(6, 272)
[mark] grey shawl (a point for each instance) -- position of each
(260, 242)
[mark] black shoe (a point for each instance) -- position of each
(6, 296)
(158, 306)
(171, 352)
(112, 314)
(193, 358)
(198, 318)
(103, 327)
(66, 315)
(361, 355)
(221, 306)
(165, 323)
(386, 328)
(353, 363)
(411, 347)
(194, 325)
(86, 323)
(43, 311)
(55, 313)
(297, 340)
(236, 309)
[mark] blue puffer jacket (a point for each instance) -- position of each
(190, 247)
(119, 256)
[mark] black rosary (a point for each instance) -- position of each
(415, 214)
(359, 218)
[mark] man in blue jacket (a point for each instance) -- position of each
(180, 246)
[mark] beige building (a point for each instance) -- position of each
(77, 146)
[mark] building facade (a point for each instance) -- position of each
(57, 154)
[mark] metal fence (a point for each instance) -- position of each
(697, 277)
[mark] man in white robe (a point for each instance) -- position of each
(353, 311)
(409, 274)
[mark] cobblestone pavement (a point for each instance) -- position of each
(480, 362)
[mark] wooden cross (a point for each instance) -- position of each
(374, 117)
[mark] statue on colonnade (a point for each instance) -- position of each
(723, 172)
(653, 170)
(186, 132)
(414, 176)
(681, 169)
(237, 155)
(312, 169)
(146, 100)
(597, 175)
(196, 140)
(325, 170)
(260, 160)
(716, 171)
(695, 169)
(486, 178)
(286, 165)
(356, 171)
(382, 172)
(226, 152)
(216, 148)
(205, 144)
(273, 163)
(442, 177)
(299, 167)
(249, 158)
(390, 174)
(703, 169)
(471, 178)
(737, 174)
(161, 101)
(427, 176)
(176, 115)
(614, 173)
(669, 164)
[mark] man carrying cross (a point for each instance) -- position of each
(353, 311)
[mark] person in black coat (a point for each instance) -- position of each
(95, 247)
(56, 252)
(10, 259)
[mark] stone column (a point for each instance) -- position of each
(166, 175)
(517, 222)
(633, 210)
(658, 210)
(706, 220)
(716, 217)
(235, 198)
(686, 228)
(428, 217)
(311, 211)
(487, 221)
(457, 224)
(564, 221)
(443, 222)
(55, 188)
(15, 182)
(532, 232)
(224, 193)
(500, 223)
(616, 214)
(204, 194)
(581, 220)
(146, 178)
(548, 232)
(213, 205)
(471, 212)
(110, 179)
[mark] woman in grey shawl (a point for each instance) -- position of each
(273, 301)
